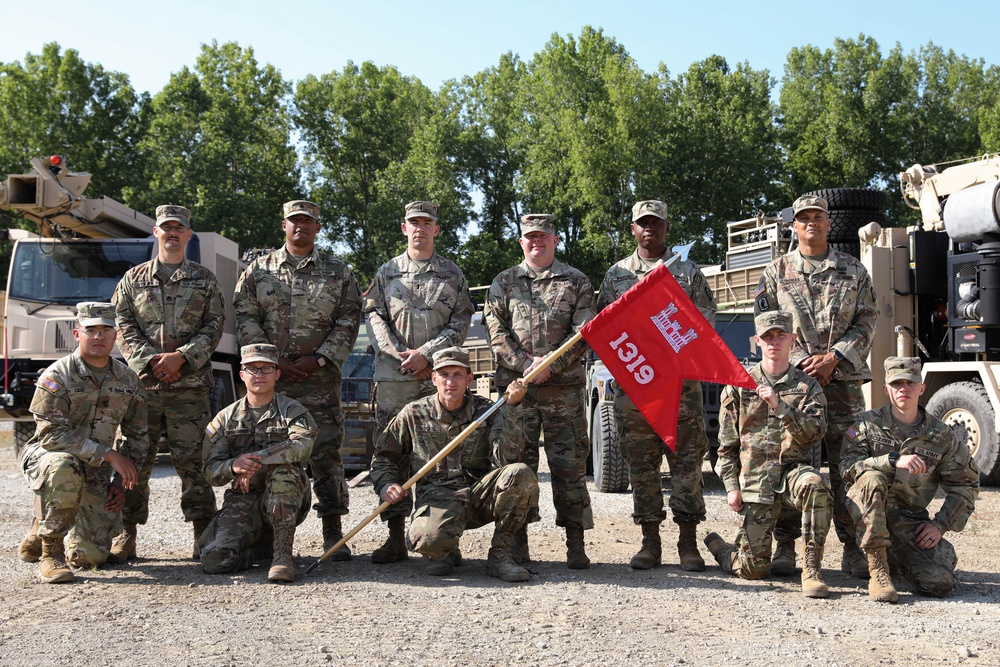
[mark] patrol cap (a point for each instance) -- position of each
(653, 207)
(451, 356)
(806, 202)
(902, 368)
(95, 313)
(173, 213)
(772, 319)
(301, 207)
(421, 209)
(259, 352)
(538, 222)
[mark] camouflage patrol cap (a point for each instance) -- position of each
(806, 202)
(451, 356)
(772, 319)
(538, 222)
(95, 313)
(421, 209)
(301, 207)
(653, 207)
(173, 213)
(902, 368)
(259, 352)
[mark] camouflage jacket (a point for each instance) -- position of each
(425, 309)
(423, 428)
(950, 467)
(306, 309)
(532, 313)
(77, 414)
(284, 434)
(626, 273)
(834, 308)
(758, 444)
(194, 330)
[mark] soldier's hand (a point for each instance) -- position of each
(116, 499)
(912, 462)
(125, 469)
(424, 374)
(167, 366)
(394, 493)
(515, 392)
(413, 362)
(307, 365)
(242, 482)
(768, 395)
(543, 376)
(289, 373)
(820, 367)
(247, 464)
(735, 500)
(927, 535)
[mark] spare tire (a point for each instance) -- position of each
(853, 198)
(844, 224)
(852, 249)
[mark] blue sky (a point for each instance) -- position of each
(436, 41)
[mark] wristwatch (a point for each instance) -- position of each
(321, 360)
(893, 458)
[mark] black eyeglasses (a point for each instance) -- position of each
(257, 370)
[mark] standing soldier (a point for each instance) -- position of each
(531, 310)
(830, 297)
(170, 319)
(307, 303)
(418, 304)
(73, 463)
(641, 447)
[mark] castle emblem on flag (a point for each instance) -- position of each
(671, 329)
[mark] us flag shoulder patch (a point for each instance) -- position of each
(760, 290)
(50, 384)
(851, 433)
(211, 430)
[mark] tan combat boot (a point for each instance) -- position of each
(198, 527)
(783, 562)
(283, 565)
(499, 562)
(52, 568)
(31, 546)
(651, 553)
(576, 555)
(519, 549)
(333, 533)
(123, 546)
(813, 585)
(723, 552)
(853, 562)
(880, 586)
(394, 548)
(687, 548)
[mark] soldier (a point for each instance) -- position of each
(77, 469)
(895, 460)
(482, 481)
(641, 447)
(170, 319)
(531, 310)
(418, 304)
(307, 303)
(830, 297)
(766, 438)
(258, 446)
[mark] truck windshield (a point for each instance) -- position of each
(71, 271)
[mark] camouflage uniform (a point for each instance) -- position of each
(78, 419)
(184, 314)
(888, 504)
(641, 447)
(834, 309)
(279, 495)
(532, 312)
(766, 454)
(312, 307)
(410, 307)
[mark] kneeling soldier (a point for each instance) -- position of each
(258, 445)
(765, 453)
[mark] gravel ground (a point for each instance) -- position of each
(163, 610)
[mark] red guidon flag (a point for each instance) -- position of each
(652, 339)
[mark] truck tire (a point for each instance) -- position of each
(851, 198)
(852, 249)
(844, 225)
(610, 471)
(22, 433)
(965, 406)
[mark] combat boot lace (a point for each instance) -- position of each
(123, 546)
(52, 568)
(333, 533)
(651, 552)
(687, 548)
(198, 527)
(394, 548)
(31, 546)
(880, 586)
(813, 585)
(723, 552)
(783, 562)
(576, 555)
(499, 562)
(854, 562)
(283, 565)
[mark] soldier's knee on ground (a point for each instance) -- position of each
(435, 546)
(85, 555)
(936, 583)
(219, 560)
(753, 568)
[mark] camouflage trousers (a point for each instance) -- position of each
(180, 415)
(507, 497)
(390, 398)
(881, 523)
(69, 504)
(243, 530)
(567, 445)
(845, 401)
(643, 451)
(320, 394)
(807, 494)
